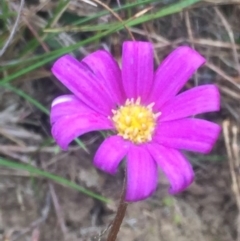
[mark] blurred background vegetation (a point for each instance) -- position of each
(47, 194)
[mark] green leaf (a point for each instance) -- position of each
(52, 177)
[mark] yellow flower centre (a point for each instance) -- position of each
(135, 122)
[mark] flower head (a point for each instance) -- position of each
(150, 120)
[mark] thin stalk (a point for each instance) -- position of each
(119, 216)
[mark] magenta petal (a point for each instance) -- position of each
(67, 105)
(141, 174)
(137, 69)
(175, 166)
(173, 73)
(110, 154)
(104, 66)
(188, 134)
(68, 128)
(198, 100)
(79, 79)
(71, 118)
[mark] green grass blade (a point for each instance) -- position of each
(33, 44)
(26, 97)
(52, 177)
(39, 106)
(117, 9)
(48, 57)
(163, 12)
(174, 8)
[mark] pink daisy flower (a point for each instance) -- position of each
(151, 123)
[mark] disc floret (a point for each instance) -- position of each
(134, 121)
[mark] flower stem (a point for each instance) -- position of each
(119, 216)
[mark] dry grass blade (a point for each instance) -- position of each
(153, 36)
(31, 149)
(58, 210)
(139, 14)
(116, 16)
(44, 214)
(230, 132)
(14, 29)
(214, 43)
(222, 74)
(190, 35)
(223, 1)
(231, 36)
(90, 2)
(35, 235)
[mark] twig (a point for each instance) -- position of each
(14, 29)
